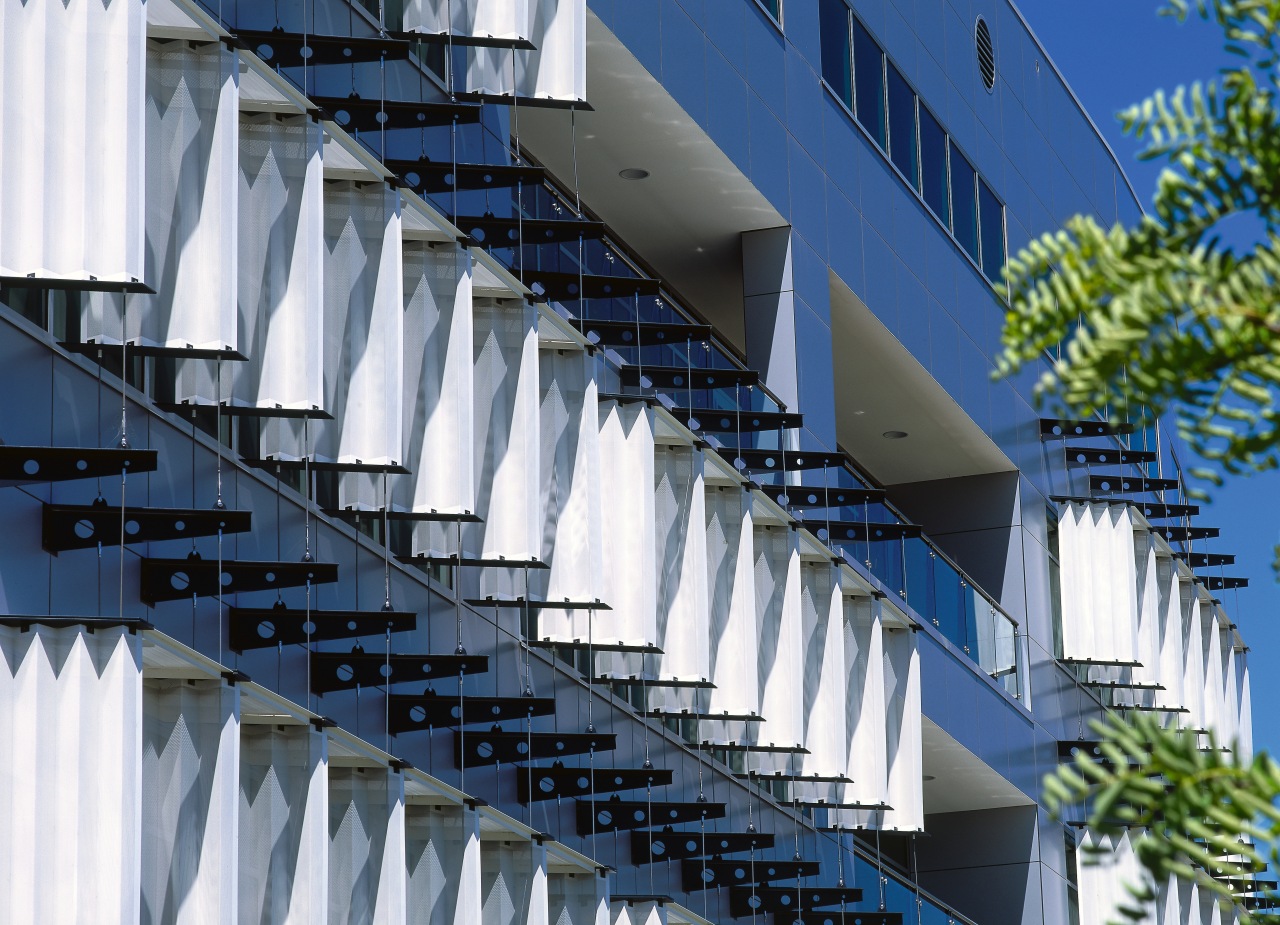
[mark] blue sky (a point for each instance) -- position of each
(1115, 53)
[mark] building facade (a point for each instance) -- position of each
(538, 461)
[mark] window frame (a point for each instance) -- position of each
(776, 20)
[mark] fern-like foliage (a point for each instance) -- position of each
(1203, 813)
(1162, 316)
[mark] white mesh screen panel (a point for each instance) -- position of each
(437, 841)
(866, 738)
(1099, 583)
(681, 550)
(190, 800)
(630, 571)
(778, 657)
(902, 720)
(281, 261)
(438, 359)
(825, 673)
(367, 872)
(72, 76)
(732, 592)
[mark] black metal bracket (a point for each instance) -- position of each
(1179, 534)
(854, 531)
(31, 465)
(325, 465)
(556, 782)
(750, 900)
(228, 409)
(714, 873)
(1055, 428)
(91, 284)
(672, 683)
(425, 177)
(649, 847)
(614, 815)
(1206, 559)
(178, 579)
(339, 671)
(1107, 456)
(1130, 483)
(1222, 583)
(682, 378)
(294, 49)
(489, 231)
(452, 559)
(355, 514)
(472, 41)
(519, 603)
(261, 628)
(801, 497)
(725, 717)
(496, 746)
(417, 712)
(355, 113)
(93, 349)
(568, 287)
(85, 526)
(1153, 510)
(795, 460)
(719, 421)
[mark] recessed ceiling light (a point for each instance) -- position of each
(894, 434)
(633, 173)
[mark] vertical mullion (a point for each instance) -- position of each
(853, 76)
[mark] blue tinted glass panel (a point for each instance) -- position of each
(834, 23)
(991, 218)
(933, 163)
(774, 7)
(902, 123)
(964, 203)
(868, 78)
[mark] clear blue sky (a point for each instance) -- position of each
(1115, 53)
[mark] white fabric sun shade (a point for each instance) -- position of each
(779, 659)
(281, 258)
(364, 315)
(731, 628)
(190, 800)
(681, 550)
(367, 868)
(866, 746)
(71, 154)
(1099, 583)
(508, 483)
(191, 144)
(439, 425)
(825, 674)
(573, 531)
(630, 542)
(904, 762)
(70, 774)
(284, 824)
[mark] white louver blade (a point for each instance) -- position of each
(1099, 583)
(904, 764)
(630, 540)
(732, 636)
(681, 555)
(779, 658)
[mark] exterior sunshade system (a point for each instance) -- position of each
(284, 824)
(72, 155)
(577, 899)
(555, 69)
(825, 674)
(439, 408)
(513, 882)
(366, 845)
(1148, 572)
(1193, 649)
(866, 743)
(281, 260)
(508, 481)
(1099, 581)
(1106, 864)
(681, 556)
(1171, 644)
(630, 543)
(731, 585)
(364, 366)
(191, 140)
(902, 718)
(71, 774)
(779, 659)
(572, 531)
(190, 797)
(443, 858)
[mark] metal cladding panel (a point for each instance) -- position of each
(72, 76)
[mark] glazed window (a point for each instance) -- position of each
(868, 81)
(964, 202)
(933, 165)
(833, 21)
(991, 229)
(902, 124)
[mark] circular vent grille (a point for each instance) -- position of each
(986, 54)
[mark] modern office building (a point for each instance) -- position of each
(537, 461)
